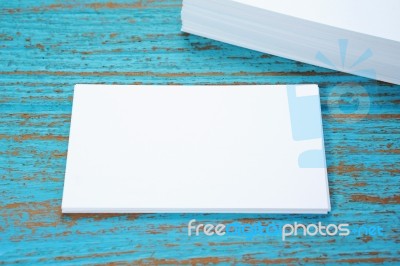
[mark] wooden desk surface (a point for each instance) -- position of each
(48, 46)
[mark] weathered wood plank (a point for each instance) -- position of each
(48, 46)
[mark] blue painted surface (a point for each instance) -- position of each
(48, 46)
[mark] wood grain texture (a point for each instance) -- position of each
(48, 46)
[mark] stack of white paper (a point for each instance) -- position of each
(196, 149)
(361, 37)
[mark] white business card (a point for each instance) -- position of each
(240, 149)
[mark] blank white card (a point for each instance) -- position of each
(253, 149)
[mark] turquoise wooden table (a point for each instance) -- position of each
(48, 46)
